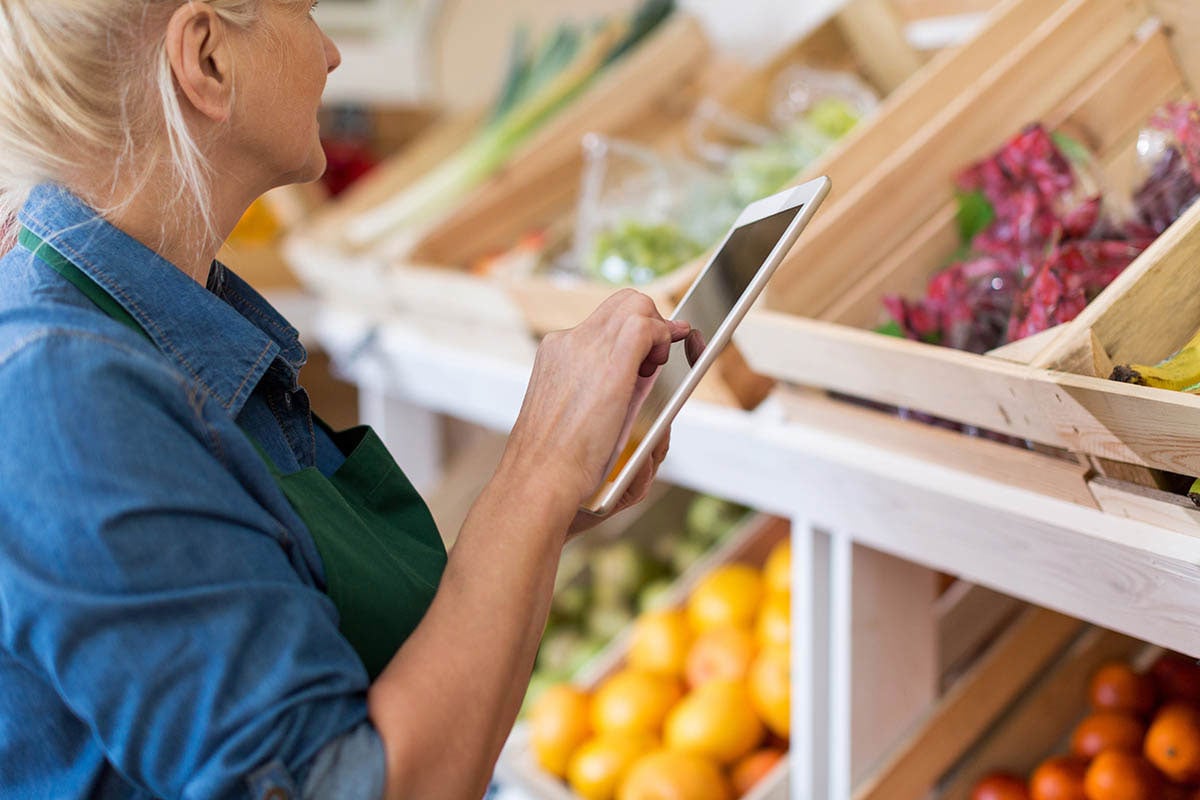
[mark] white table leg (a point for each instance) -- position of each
(883, 657)
(412, 434)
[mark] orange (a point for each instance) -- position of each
(1108, 730)
(558, 724)
(1059, 778)
(1115, 775)
(660, 643)
(774, 627)
(597, 767)
(715, 721)
(753, 768)
(777, 571)
(769, 683)
(671, 775)
(1173, 742)
(726, 597)
(722, 653)
(1117, 687)
(1000, 786)
(632, 702)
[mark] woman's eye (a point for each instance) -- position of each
(313, 8)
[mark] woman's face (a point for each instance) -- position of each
(277, 99)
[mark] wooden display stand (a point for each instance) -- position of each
(1095, 68)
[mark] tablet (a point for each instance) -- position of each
(714, 305)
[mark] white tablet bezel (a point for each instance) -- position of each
(808, 196)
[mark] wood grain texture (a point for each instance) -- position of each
(1148, 312)
(894, 632)
(1013, 466)
(1145, 504)
(965, 712)
(907, 186)
(1151, 427)
(970, 618)
(910, 107)
(1035, 726)
(876, 33)
(1183, 20)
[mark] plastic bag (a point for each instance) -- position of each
(643, 214)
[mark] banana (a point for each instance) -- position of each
(1179, 373)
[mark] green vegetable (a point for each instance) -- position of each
(832, 116)
(974, 215)
(636, 253)
(535, 89)
(891, 328)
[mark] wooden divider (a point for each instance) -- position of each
(909, 185)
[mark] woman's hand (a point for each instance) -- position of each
(579, 396)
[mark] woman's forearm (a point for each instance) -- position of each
(444, 704)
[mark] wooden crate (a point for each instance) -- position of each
(1015, 707)
(866, 39)
(1096, 68)
(750, 545)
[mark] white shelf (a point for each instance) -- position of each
(856, 507)
(1126, 575)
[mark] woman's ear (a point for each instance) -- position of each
(198, 49)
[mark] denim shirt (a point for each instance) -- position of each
(163, 629)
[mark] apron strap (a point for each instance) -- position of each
(57, 262)
(45, 252)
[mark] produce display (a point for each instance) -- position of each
(643, 213)
(602, 586)
(540, 82)
(700, 707)
(1141, 741)
(1040, 237)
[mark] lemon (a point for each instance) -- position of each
(632, 701)
(597, 767)
(559, 723)
(774, 627)
(777, 572)
(770, 689)
(729, 596)
(660, 643)
(715, 721)
(670, 775)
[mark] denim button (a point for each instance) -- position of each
(272, 782)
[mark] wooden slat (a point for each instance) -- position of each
(967, 710)
(908, 109)
(1136, 424)
(970, 618)
(542, 175)
(893, 632)
(1183, 18)
(1148, 312)
(876, 33)
(1046, 475)
(1105, 115)
(1038, 724)
(908, 186)
(1024, 351)
(1158, 508)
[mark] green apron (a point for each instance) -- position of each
(378, 543)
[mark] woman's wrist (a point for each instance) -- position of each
(537, 490)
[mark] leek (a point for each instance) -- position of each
(535, 89)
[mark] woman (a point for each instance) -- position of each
(203, 592)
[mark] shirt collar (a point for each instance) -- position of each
(225, 335)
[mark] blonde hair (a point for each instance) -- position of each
(81, 79)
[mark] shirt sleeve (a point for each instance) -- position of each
(147, 584)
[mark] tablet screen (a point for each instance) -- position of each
(705, 308)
